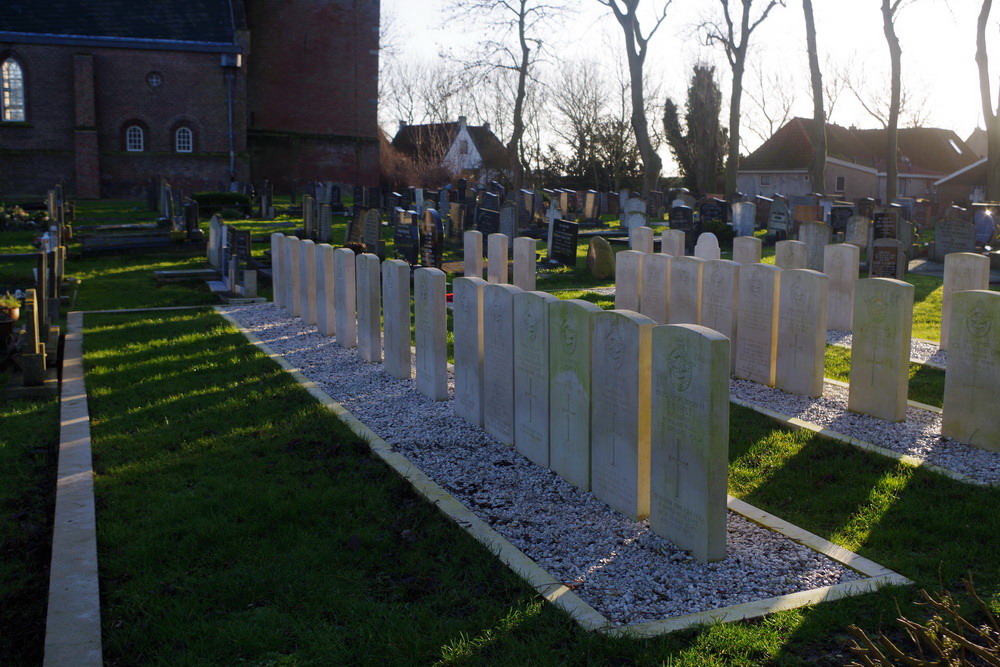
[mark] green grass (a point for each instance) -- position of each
(28, 436)
(926, 383)
(240, 521)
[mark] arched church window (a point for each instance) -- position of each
(135, 139)
(11, 90)
(183, 140)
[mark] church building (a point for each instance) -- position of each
(110, 95)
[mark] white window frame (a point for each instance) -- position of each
(765, 179)
(183, 140)
(135, 139)
(463, 146)
(12, 91)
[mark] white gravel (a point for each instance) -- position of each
(919, 435)
(620, 567)
(921, 352)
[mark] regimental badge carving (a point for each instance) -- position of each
(798, 294)
(613, 342)
(757, 287)
(531, 322)
(717, 281)
(567, 333)
(679, 367)
(424, 299)
(496, 307)
(877, 308)
(978, 322)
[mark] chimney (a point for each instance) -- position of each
(486, 125)
(462, 122)
(402, 124)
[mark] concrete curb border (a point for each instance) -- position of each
(561, 595)
(73, 621)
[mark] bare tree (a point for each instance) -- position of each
(869, 90)
(889, 10)
(817, 166)
(579, 101)
(515, 45)
(735, 39)
(833, 86)
(772, 98)
(990, 117)
(636, 48)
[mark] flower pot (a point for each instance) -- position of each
(11, 314)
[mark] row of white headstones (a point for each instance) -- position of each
(568, 384)
(777, 320)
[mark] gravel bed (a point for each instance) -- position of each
(919, 435)
(920, 351)
(619, 567)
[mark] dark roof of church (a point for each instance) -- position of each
(431, 141)
(175, 20)
(922, 150)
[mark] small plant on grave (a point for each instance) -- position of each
(949, 637)
(10, 307)
(232, 214)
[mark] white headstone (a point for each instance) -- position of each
(619, 411)
(570, 325)
(744, 218)
(467, 328)
(972, 381)
(655, 298)
(707, 246)
(641, 239)
(690, 439)
(858, 228)
(498, 361)
(791, 255)
(293, 288)
(472, 256)
(396, 304)
(431, 327)
(816, 236)
(757, 324)
(628, 280)
(525, 254)
(326, 320)
(802, 307)
(278, 276)
(962, 271)
(531, 375)
(685, 290)
(369, 302)
(672, 242)
(307, 281)
(345, 297)
(747, 249)
(633, 213)
(841, 262)
(880, 348)
(720, 298)
(496, 266)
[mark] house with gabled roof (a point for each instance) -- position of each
(458, 146)
(855, 164)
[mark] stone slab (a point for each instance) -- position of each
(685, 290)
(628, 280)
(396, 329)
(431, 327)
(802, 312)
(467, 328)
(369, 304)
(842, 263)
(757, 324)
(531, 375)
(498, 361)
(655, 296)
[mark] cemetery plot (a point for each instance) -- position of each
(504, 489)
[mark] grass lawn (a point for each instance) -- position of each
(926, 383)
(29, 432)
(240, 521)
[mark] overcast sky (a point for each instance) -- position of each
(938, 39)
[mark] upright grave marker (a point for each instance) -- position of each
(841, 263)
(531, 375)
(496, 265)
(345, 297)
(816, 236)
(744, 216)
(628, 280)
(396, 300)
(620, 406)
(880, 349)
(369, 303)
(655, 295)
(802, 312)
(278, 276)
(472, 254)
(525, 252)
(565, 237)
(791, 255)
(641, 239)
(685, 290)
(307, 280)
(757, 324)
(707, 246)
(468, 344)
(690, 439)
(962, 271)
(858, 229)
(972, 381)
(570, 326)
(326, 320)
(887, 259)
(498, 361)
(720, 289)
(672, 242)
(747, 249)
(953, 236)
(431, 327)
(292, 285)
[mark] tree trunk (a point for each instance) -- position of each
(650, 160)
(892, 141)
(817, 168)
(733, 162)
(514, 145)
(991, 117)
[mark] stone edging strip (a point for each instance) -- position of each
(73, 623)
(561, 595)
(908, 459)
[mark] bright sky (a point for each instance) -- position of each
(938, 39)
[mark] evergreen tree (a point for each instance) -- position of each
(700, 150)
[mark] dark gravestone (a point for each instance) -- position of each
(713, 210)
(508, 219)
(778, 221)
(461, 186)
(682, 219)
(488, 222)
(244, 243)
(567, 200)
(457, 214)
(887, 260)
(407, 239)
(565, 236)
(325, 223)
(358, 194)
(499, 190)
(190, 217)
(491, 200)
(373, 197)
(614, 204)
(335, 202)
(885, 223)
(591, 208)
(394, 201)
(865, 207)
(839, 215)
(356, 227)
(431, 239)
(372, 233)
(763, 211)
(953, 236)
(654, 206)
